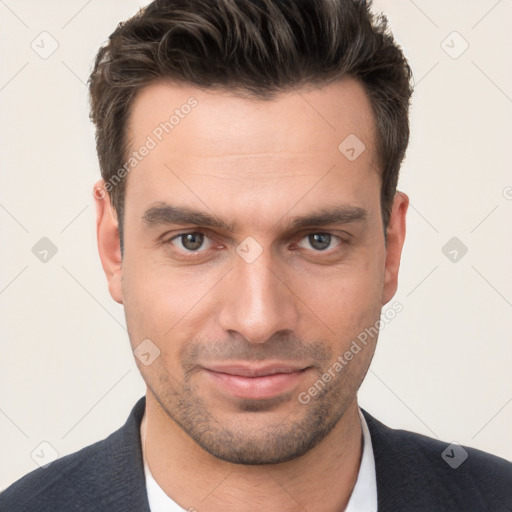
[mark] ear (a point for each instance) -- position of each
(109, 246)
(396, 237)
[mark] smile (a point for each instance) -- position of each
(251, 382)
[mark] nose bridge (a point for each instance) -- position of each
(258, 303)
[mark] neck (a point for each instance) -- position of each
(322, 479)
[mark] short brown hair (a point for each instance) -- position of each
(256, 48)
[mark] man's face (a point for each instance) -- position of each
(249, 311)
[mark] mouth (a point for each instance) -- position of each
(255, 382)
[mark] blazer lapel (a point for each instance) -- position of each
(401, 484)
(123, 486)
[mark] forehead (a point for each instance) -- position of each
(205, 142)
(312, 119)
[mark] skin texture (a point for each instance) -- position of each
(258, 165)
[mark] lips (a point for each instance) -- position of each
(255, 382)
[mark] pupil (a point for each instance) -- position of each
(192, 241)
(320, 241)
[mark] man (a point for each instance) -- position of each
(249, 223)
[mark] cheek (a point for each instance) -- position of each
(148, 297)
(152, 310)
(345, 296)
(349, 304)
(163, 303)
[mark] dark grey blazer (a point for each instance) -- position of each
(412, 476)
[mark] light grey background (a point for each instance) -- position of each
(442, 367)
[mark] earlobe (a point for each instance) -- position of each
(396, 237)
(107, 235)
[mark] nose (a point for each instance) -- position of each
(258, 303)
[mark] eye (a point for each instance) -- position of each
(190, 242)
(319, 241)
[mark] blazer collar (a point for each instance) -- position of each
(401, 485)
(124, 486)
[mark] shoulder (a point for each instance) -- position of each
(443, 474)
(54, 487)
(99, 477)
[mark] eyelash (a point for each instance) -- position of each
(192, 254)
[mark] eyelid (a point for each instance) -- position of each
(341, 241)
(166, 239)
(171, 235)
(180, 235)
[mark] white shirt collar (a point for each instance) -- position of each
(364, 494)
(362, 499)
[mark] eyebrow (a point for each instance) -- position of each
(163, 214)
(337, 215)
